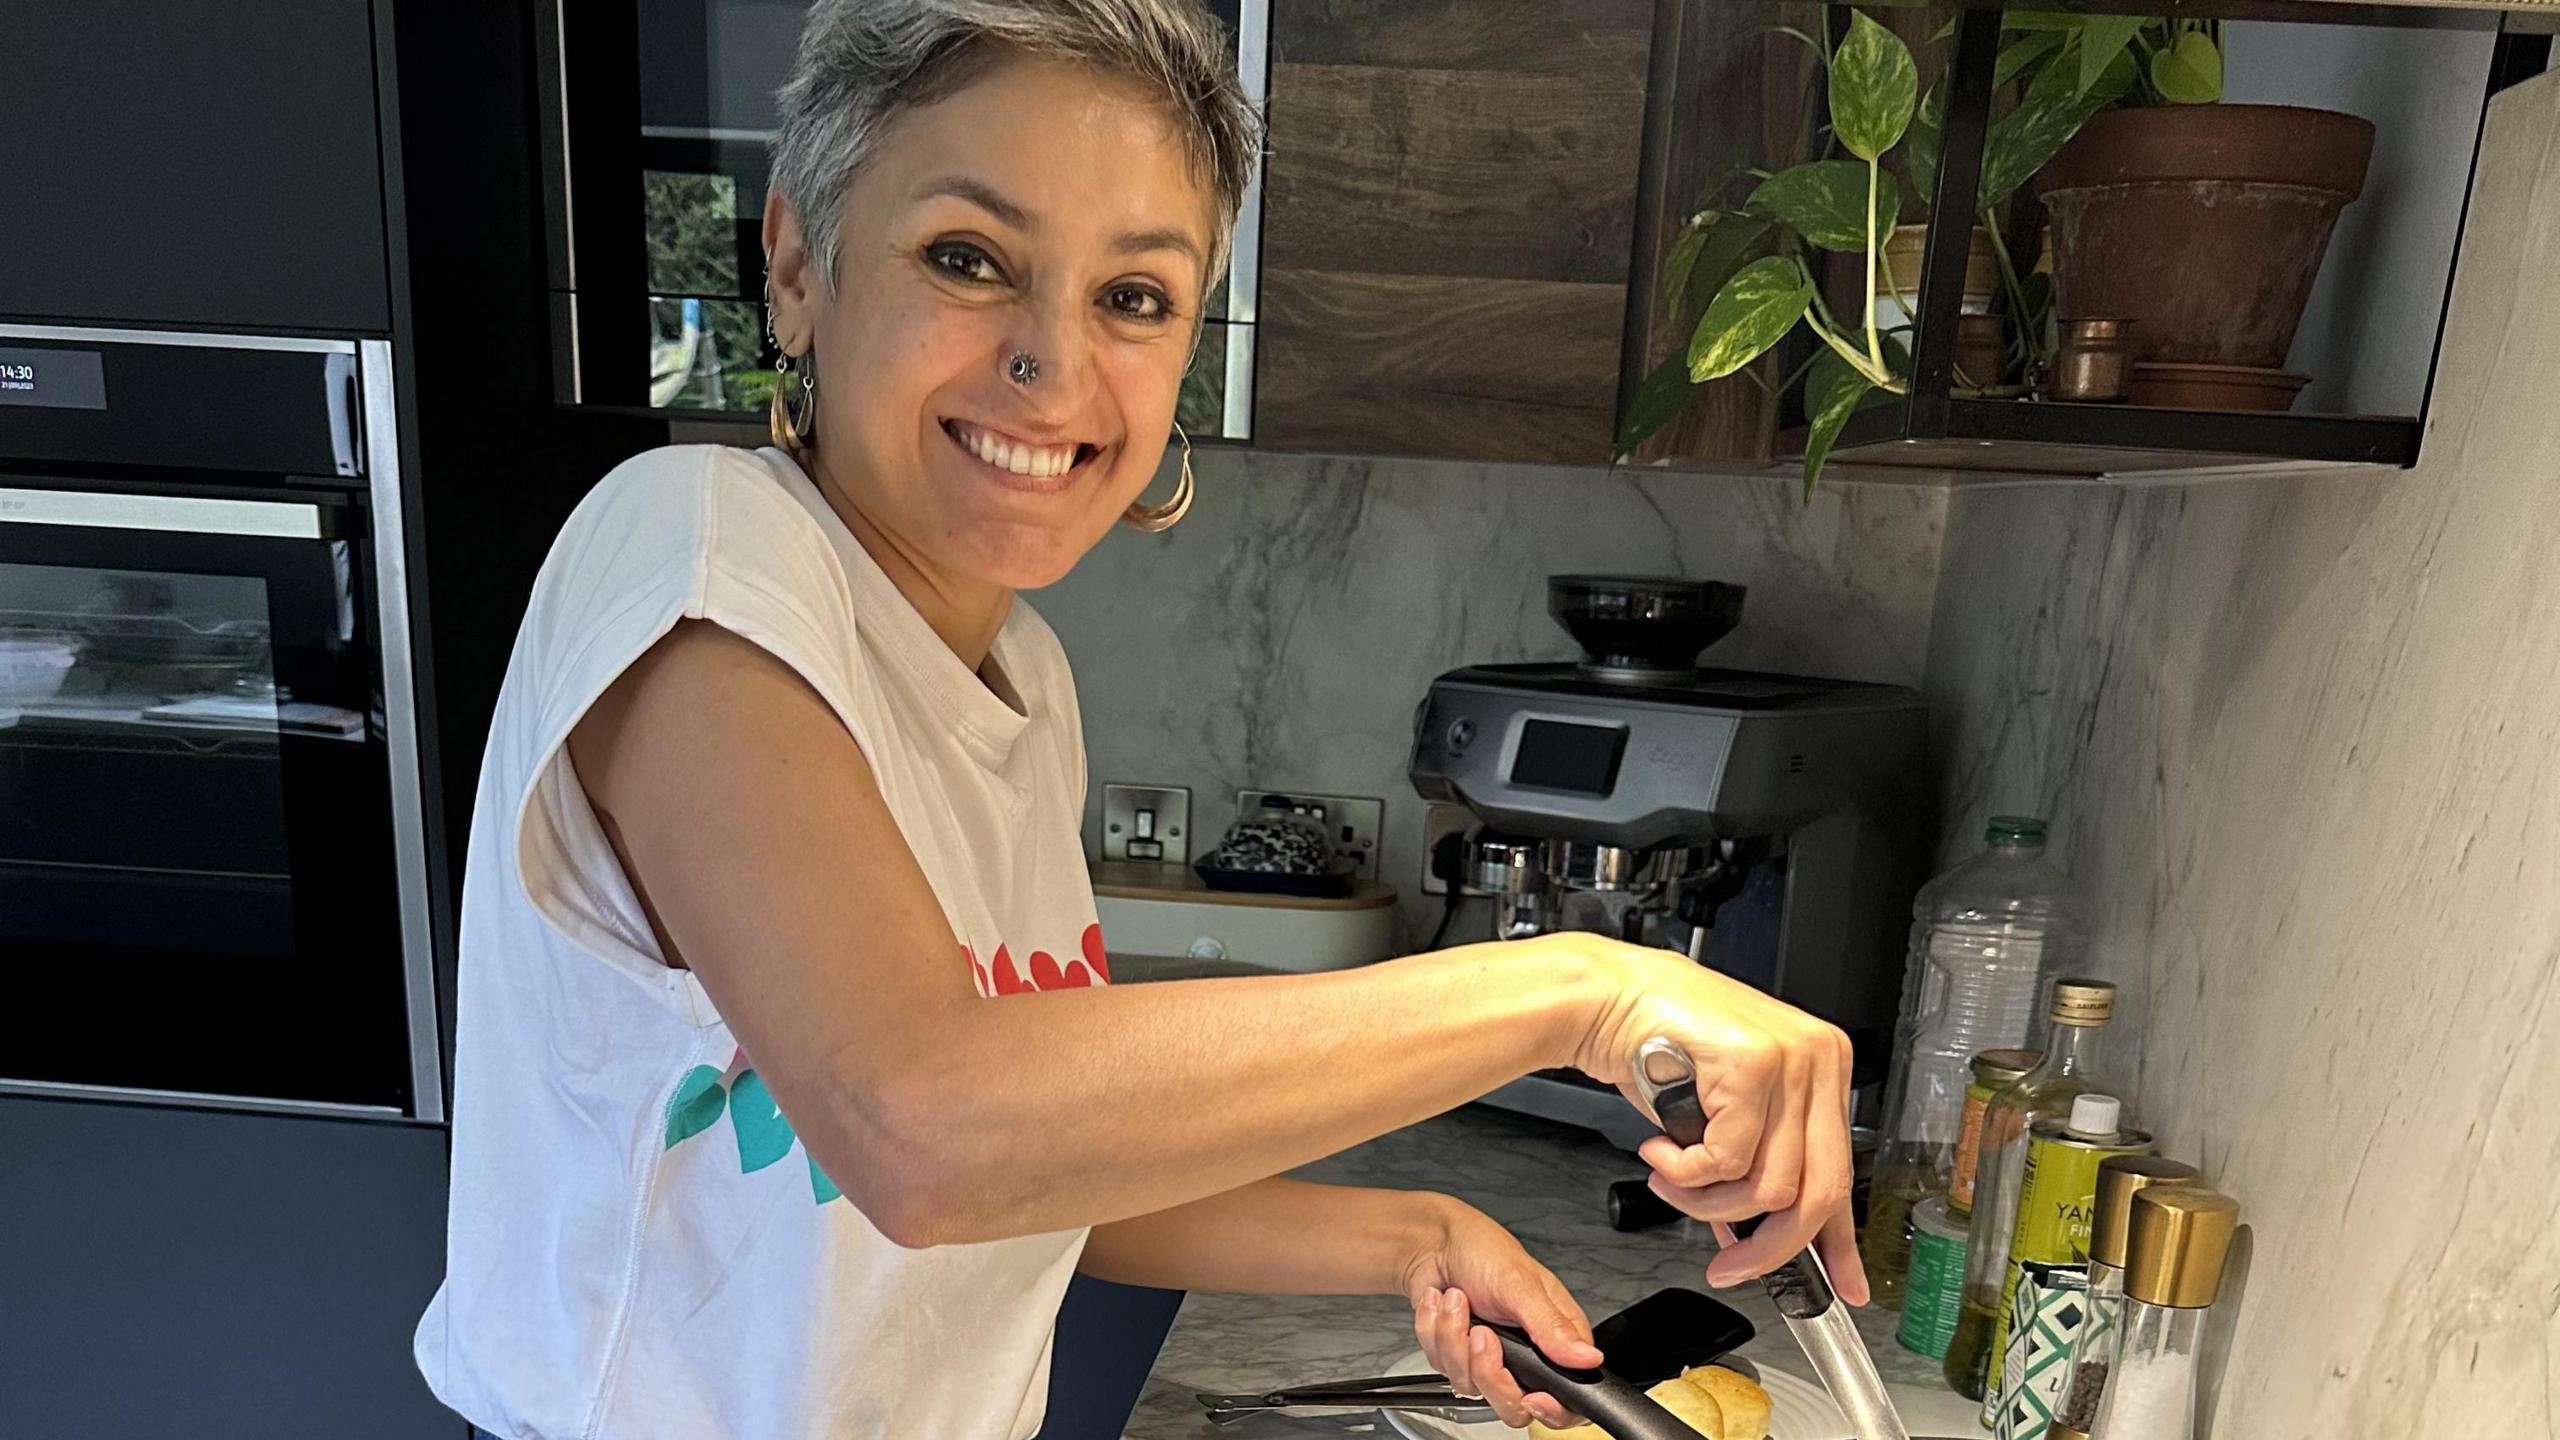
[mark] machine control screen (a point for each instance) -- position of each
(1577, 759)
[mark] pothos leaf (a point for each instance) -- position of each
(1733, 241)
(2022, 52)
(1874, 86)
(2102, 39)
(1753, 311)
(1826, 202)
(1656, 401)
(2188, 71)
(1681, 258)
(1830, 411)
(2021, 141)
(1928, 132)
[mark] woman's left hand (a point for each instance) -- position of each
(1476, 1269)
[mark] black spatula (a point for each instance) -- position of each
(1663, 1334)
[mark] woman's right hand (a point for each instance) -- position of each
(1774, 1082)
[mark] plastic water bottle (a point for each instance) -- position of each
(1985, 938)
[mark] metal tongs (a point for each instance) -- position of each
(1425, 1394)
(1651, 1340)
(1801, 1287)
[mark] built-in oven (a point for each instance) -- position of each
(212, 848)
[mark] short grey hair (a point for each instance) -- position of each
(862, 62)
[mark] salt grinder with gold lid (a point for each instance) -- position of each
(2093, 1350)
(2177, 1239)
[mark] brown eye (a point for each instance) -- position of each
(964, 262)
(1138, 302)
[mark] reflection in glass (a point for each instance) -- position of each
(140, 760)
(1202, 407)
(137, 647)
(705, 341)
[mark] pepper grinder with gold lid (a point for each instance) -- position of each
(2178, 1237)
(2093, 1350)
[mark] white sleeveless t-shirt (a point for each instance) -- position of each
(638, 1246)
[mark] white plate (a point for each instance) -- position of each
(1798, 1410)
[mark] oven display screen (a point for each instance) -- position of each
(1577, 759)
(55, 379)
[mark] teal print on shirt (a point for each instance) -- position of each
(764, 1135)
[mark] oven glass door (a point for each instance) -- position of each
(196, 852)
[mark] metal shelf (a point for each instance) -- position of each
(1937, 435)
(2030, 437)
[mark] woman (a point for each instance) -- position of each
(789, 1089)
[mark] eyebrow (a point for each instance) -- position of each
(986, 197)
(1165, 238)
(981, 194)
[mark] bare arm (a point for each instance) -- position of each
(1277, 1237)
(770, 864)
(1450, 1261)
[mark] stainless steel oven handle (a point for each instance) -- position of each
(182, 514)
(400, 720)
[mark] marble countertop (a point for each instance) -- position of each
(1546, 1182)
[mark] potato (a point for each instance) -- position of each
(1744, 1404)
(1717, 1403)
(1692, 1404)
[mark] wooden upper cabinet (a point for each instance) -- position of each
(1735, 95)
(1448, 214)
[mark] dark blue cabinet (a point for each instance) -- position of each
(213, 1275)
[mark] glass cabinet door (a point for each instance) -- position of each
(656, 178)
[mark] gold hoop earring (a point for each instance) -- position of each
(1157, 519)
(793, 415)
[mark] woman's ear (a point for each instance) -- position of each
(789, 277)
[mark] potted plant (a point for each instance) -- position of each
(2202, 223)
(1753, 258)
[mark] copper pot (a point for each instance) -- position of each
(2092, 362)
(1981, 352)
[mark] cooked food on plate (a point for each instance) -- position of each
(1718, 1403)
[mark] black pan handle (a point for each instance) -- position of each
(1634, 1206)
(1609, 1401)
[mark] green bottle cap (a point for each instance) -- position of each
(2014, 830)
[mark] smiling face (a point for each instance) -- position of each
(1043, 208)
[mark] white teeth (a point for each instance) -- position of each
(1037, 461)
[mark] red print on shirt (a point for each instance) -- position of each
(1001, 977)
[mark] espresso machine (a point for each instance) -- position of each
(1774, 827)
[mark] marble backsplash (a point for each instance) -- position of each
(2302, 738)
(1282, 634)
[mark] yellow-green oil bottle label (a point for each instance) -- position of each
(2057, 1200)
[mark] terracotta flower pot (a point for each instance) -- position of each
(2213, 387)
(2203, 224)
